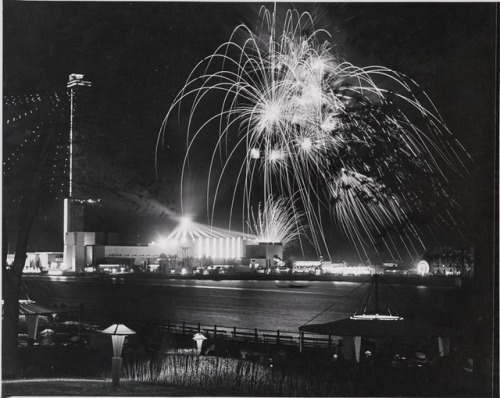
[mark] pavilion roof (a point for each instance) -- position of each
(194, 230)
(376, 328)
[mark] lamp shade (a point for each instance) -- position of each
(118, 329)
(199, 337)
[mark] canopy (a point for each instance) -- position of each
(28, 307)
(376, 328)
(32, 311)
(374, 324)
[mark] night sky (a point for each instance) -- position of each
(138, 56)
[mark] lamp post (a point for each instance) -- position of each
(118, 333)
(199, 338)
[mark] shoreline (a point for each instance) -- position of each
(435, 280)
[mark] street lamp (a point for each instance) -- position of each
(199, 338)
(118, 333)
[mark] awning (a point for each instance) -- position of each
(28, 307)
(32, 311)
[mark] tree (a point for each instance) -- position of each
(29, 199)
(35, 174)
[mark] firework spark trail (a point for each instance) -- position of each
(319, 128)
(277, 220)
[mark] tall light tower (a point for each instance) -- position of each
(74, 256)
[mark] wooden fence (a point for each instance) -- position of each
(234, 333)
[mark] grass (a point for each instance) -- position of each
(218, 374)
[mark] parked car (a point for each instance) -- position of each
(260, 270)
(200, 271)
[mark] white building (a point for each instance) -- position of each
(86, 248)
(40, 261)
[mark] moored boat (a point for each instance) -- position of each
(292, 284)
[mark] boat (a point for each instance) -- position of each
(292, 284)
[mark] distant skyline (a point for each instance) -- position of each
(138, 56)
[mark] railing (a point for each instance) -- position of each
(218, 332)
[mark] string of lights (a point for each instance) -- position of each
(42, 113)
(19, 107)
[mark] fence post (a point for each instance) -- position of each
(329, 341)
(256, 336)
(215, 331)
(183, 327)
(234, 331)
(301, 341)
(199, 328)
(277, 336)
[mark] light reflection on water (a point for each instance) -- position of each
(57, 278)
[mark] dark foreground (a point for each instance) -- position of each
(92, 387)
(232, 368)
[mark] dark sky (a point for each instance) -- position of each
(138, 56)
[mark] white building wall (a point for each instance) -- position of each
(74, 251)
(216, 248)
(78, 244)
(130, 251)
(47, 260)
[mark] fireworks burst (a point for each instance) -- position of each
(367, 144)
(277, 221)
